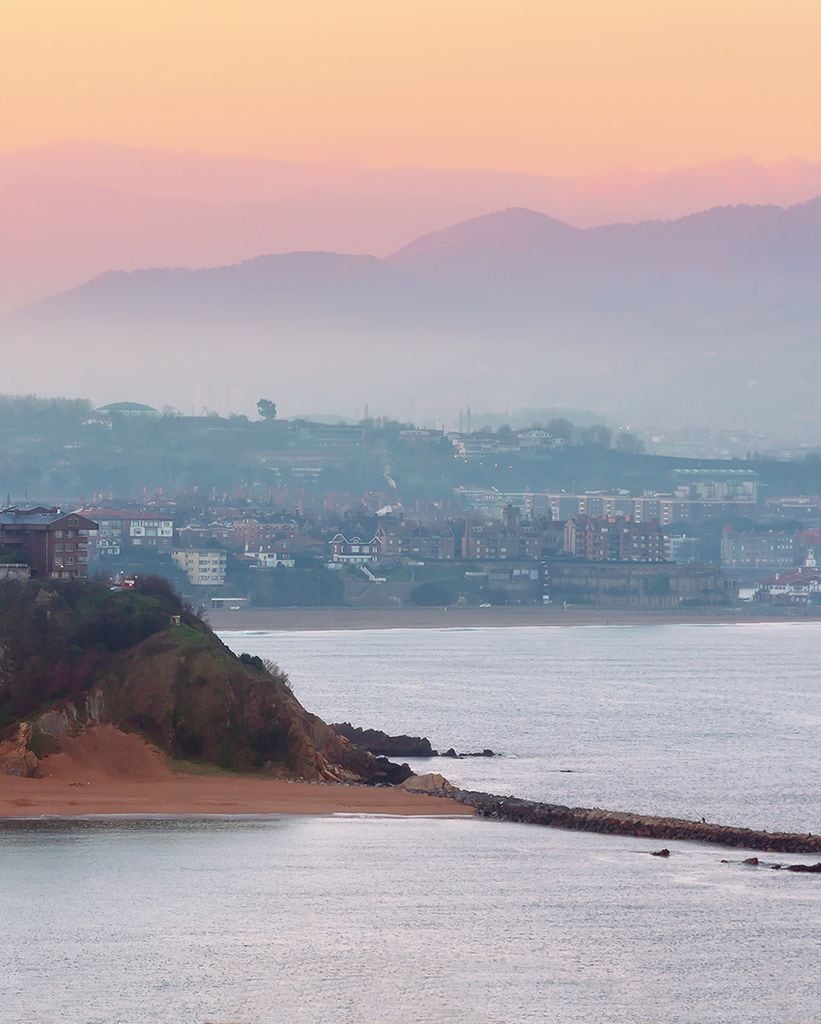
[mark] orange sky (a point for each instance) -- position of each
(555, 86)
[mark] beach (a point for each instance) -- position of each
(320, 619)
(106, 772)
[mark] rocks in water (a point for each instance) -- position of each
(389, 773)
(660, 853)
(811, 869)
(432, 782)
(381, 744)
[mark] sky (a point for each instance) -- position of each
(543, 86)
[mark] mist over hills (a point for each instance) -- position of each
(710, 318)
(71, 211)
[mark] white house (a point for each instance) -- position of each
(354, 551)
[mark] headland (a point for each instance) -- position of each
(125, 702)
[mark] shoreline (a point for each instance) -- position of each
(208, 796)
(226, 798)
(107, 772)
(345, 619)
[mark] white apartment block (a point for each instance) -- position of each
(203, 568)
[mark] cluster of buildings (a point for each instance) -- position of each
(277, 520)
(696, 496)
(119, 529)
(766, 547)
(395, 539)
(801, 585)
(531, 440)
(698, 543)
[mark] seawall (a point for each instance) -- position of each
(582, 819)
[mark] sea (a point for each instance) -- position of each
(371, 919)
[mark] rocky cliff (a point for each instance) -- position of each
(78, 655)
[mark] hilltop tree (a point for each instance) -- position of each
(267, 409)
(598, 435)
(629, 443)
(560, 427)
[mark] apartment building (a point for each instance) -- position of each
(120, 528)
(53, 543)
(204, 568)
(757, 549)
(613, 539)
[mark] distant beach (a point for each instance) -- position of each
(298, 619)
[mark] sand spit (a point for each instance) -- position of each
(106, 771)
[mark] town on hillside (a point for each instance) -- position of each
(273, 513)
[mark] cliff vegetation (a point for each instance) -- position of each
(79, 655)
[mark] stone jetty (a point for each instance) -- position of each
(625, 823)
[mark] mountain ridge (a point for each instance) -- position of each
(725, 301)
(470, 231)
(72, 210)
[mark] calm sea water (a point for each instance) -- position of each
(368, 919)
(721, 722)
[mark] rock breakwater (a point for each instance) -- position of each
(625, 823)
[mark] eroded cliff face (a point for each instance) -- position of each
(67, 664)
(17, 755)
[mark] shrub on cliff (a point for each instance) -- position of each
(432, 594)
(54, 637)
(122, 623)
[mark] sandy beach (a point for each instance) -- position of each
(322, 619)
(108, 772)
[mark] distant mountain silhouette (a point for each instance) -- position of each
(712, 243)
(264, 285)
(513, 230)
(712, 317)
(71, 211)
